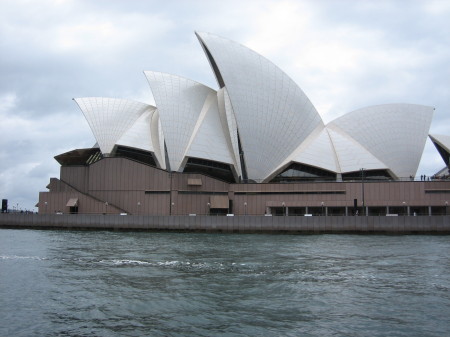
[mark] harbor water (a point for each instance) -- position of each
(105, 283)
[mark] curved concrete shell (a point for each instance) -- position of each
(146, 135)
(208, 139)
(179, 101)
(259, 123)
(316, 151)
(189, 116)
(351, 155)
(110, 118)
(139, 135)
(394, 133)
(229, 125)
(442, 144)
(273, 114)
(158, 139)
(441, 140)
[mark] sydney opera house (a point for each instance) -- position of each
(254, 145)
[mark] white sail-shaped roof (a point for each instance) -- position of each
(259, 122)
(139, 135)
(208, 139)
(158, 139)
(351, 155)
(229, 124)
(179, 101)
(442, 140)
(393, 133)
(442, 144)
(144, 134)
(331, 149)
(190, 119)
(273, 114)
(110, 118)
(317, 151)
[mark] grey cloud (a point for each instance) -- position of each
(158, 35)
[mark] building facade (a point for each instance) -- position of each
(121, 185)
(254, 145)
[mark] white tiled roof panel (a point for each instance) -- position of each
(209, 140)
(351, 155)
(393, 133)
(110, 118)
(273, 114)
(179, 101)
(139, 134)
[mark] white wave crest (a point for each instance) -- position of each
(125, 262)
(16, 257)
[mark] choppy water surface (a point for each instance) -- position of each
(74, 283)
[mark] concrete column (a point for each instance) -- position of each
(287, 211)
(367, 210)
(306, 210)
(429, 211)
(387, 210)
(326, 210)
(408, 212)
(346, 211)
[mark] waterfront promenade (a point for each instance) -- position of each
(235, 224)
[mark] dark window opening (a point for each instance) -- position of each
(296, 211)
(218, 211)
(290, 192)
(203, 192)
(437, 191)
(141, 156)
(210, 168)
(301, 172)
(368, 175)
(79, 157)
(157, 192)
(94, 158)
(278, 211)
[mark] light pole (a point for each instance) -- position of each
(322, 207)
(139, 207)
(209, 208)
(404, 205)
(446, 207)
(284, 208)
(245, 207)
(362, 191)
(106, 207)
(45, 203)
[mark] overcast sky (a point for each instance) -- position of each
(344, 54)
